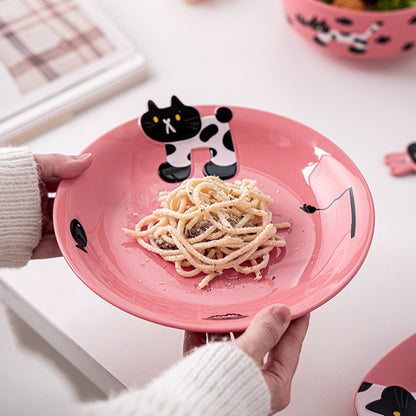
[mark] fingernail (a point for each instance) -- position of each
(83, 156)
(283, 313)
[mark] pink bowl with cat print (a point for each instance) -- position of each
(352, 33)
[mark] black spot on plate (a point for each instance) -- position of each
(383, 39)
(408, 46)
(78, 234)
(344, 21)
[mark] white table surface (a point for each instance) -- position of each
(242, 52)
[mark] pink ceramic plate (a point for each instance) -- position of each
(315, 187)
(389, 388)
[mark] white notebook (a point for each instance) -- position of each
(58, 57)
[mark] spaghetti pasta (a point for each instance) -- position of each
(208, 225)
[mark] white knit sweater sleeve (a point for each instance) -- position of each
(20, 206)
(215, 380)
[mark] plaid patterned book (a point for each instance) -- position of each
(56, 58)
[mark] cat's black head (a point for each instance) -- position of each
(395, 400)
(171, 124)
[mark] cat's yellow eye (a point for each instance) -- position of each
(177, 117)
(396, 413)
(156, 119)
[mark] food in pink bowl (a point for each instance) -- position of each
(364, 32)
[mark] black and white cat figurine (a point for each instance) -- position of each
(181, 129)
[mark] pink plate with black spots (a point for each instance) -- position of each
(389, 388)
(359, 34)
(314, 184)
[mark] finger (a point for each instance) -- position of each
(286, 353)
(61, 166)
(47, 248)
(264, 332)
(193, 340)
(282, 362)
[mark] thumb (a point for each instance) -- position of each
(61, 166)
(264, 331)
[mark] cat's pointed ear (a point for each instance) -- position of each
(151, 105)
(376, 407)
(175, 102)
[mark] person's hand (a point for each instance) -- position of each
(270, 332)
(52, 168)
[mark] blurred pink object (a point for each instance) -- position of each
(353, 33)
(402, 163)
(390, 386)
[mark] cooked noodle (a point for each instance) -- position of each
(208, 225)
